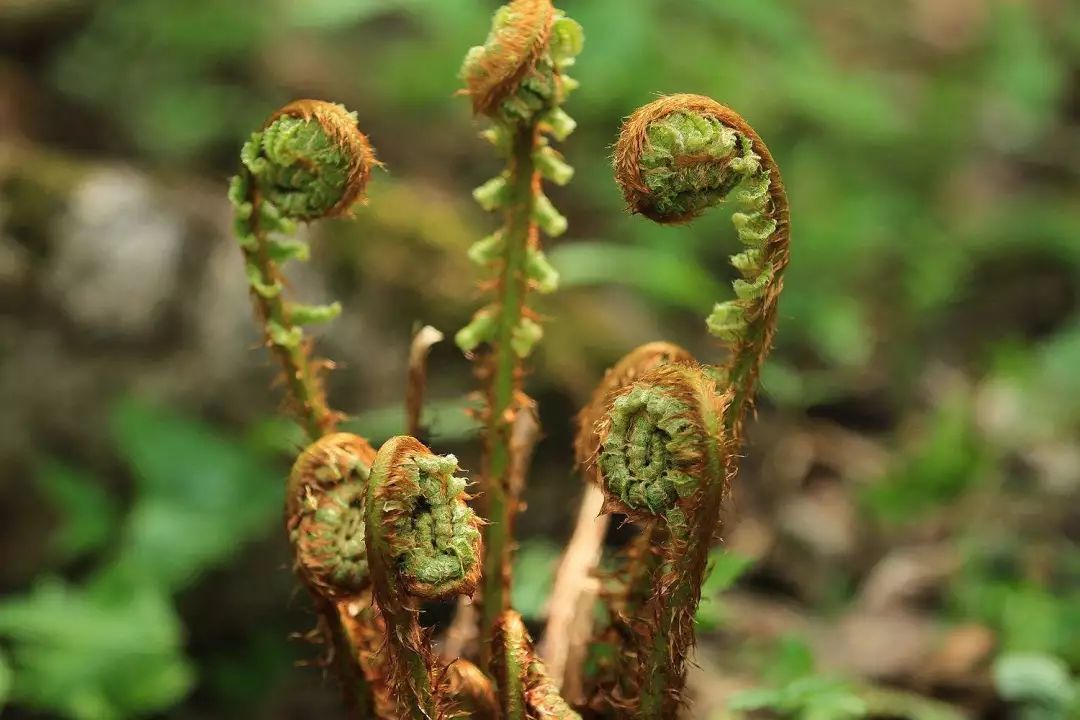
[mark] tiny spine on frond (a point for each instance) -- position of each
(324, 519)
(517, 80)
(309, 161)
(525, 690)
(423, 543)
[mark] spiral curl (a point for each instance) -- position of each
(313, 162)
(658, 445)
(517, 72)
(627, 370)
(426, 530)
(308, 162)
(682, 154)
(423, 542)
(325, 514)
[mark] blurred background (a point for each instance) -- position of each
(902, 542)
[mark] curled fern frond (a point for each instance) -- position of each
(664, 460)
(517, 72)
(423, 542)
(629, 368)
(324, 508)
(667, 445)
(324, 517)
(313, 161)
(526, 692)
(309, 161)
(682, 154)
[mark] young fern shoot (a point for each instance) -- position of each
(516, 79)
(324, 517)
(309, 161)
(682, 154)
(423, 543)
(668, 443)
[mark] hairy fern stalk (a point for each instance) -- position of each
(378, 533)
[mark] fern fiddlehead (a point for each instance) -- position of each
(423, 542)
(525, 690)
(309, 161)
(629, 368)
(324, 518)
(667, 445)
(516, 80)
(682, 154)
(633, 572)
(324, 511)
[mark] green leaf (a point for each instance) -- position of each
(6, 680)
(725, 568)
(89, 517)
(93, 655)
(201, 496)
(1035, 678)
(807, 698)
(534, 572)
(948, 459)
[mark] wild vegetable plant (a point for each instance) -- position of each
(377, 534)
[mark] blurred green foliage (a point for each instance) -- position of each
(725, 569)
(946, 460)
(1039, 685)
(110, 644)
(797, 693)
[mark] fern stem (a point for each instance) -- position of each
(515, 79)
(300, 371)
(309, 161)
(501, 499)
(671, 441)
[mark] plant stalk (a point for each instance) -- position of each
(501, 499)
